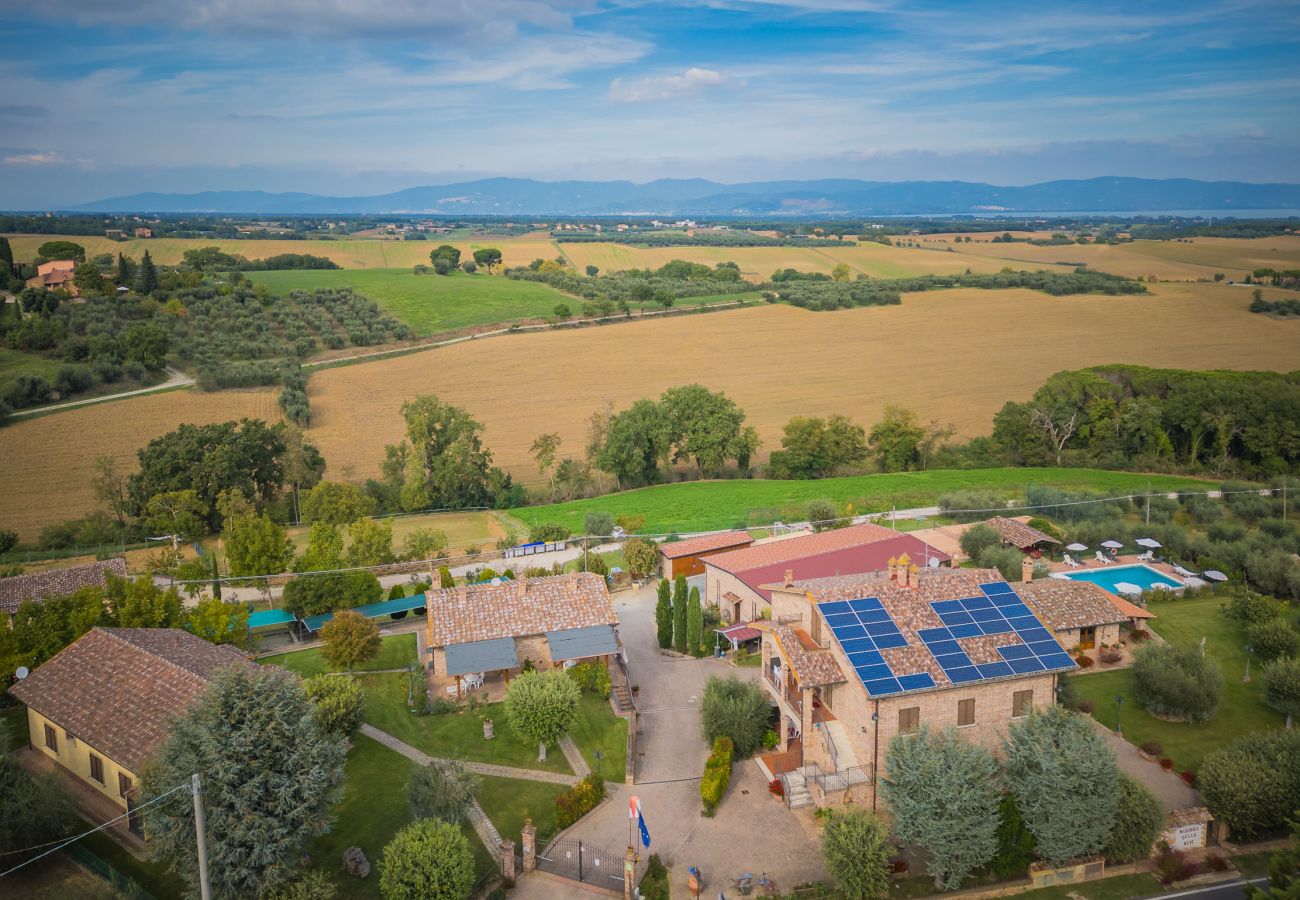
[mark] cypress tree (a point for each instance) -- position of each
(444, 578)
(6, 253)
(216, 579)
(694, 623)
(123, 270)
(664, 613)
(146, 279)
(679, 614)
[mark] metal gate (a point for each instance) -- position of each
(583, 862)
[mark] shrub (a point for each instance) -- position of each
(1110, 655)
(1015, 842)
(1172, 865)
(1139, 816)
(542, 706)
(1248, 608)
(339, 702)
(1282, 687)
(717, 774)
(1272, 638)
(824, 515)
(774, 787)
(1152, 748)
(737, 710)
(442, 791)
(349, 639)
(1167, 764)
(1217, 863)
(1086, 707)
(1007, 560)
(1189, 778)
(1253, 784)
(427, 860)
(549, 531)
(579, 800)
(1138, 635)
(978, 538)
(856, 849)
(592, 678)
(1179, 682)
(1083, 660)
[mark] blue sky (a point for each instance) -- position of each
(367, 96)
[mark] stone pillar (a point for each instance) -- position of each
(629, 874)
(1027, 570)
(508, 860)
(529, 839)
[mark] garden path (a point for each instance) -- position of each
(1173, 792)
(424, 759)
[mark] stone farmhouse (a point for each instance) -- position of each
(39, 586)
(854, 660)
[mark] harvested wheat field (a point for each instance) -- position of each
(350, 253)
(50, 460)
(939, 353)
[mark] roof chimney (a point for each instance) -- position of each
(1027, 570)
(789, 577)
(521, 587)
(893, 569)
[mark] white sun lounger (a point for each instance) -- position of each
(1103, 558)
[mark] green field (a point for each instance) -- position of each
(431, 304)
(1182, 623)
(704, 505)
(395, 652)
(14, 363)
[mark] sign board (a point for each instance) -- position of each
(1186, 837)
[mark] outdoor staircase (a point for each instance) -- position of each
(796, 790)
(839, 739)
(622, 697)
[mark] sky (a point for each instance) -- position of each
(349, 97)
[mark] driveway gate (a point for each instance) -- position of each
(581, 861)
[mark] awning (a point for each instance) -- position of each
(581, 643)
(740, 633)
(265, 618)
(370, 610)
(482, 656)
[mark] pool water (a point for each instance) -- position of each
(1140, 575)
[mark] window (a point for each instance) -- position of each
(96, 768)
(51, 738)
(1022, 702)
(828, 693)
(124, 784)
(965, 712)
(909, 720)
(817, 627)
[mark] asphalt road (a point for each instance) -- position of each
(1231, 890)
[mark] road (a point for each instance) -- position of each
(1229, 890)
(176, 379)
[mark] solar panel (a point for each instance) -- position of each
(831, 607)
(864, 628)
(916, 682)
(965, 631)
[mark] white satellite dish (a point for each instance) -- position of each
(21, 672)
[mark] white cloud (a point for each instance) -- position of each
(665, 87)
(47, 158)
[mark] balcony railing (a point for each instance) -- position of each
(840, 780)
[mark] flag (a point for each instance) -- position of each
(640, 821)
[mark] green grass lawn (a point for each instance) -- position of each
(507, 801)
(14, 363)
(397, 651)
(373, 809)
(456, 735)
(599, 729)
(431, 304)
(1184, 622)
(700, 505)
(154, 877)
(13, 725)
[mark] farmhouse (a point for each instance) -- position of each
(1019, 534)
(734, 581)
(53, 275)
(853, 661)
(1081, 614)
(686, 557)
(102, 707)
(40, 586)
(491, 631)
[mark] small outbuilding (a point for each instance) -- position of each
(1021, 535)
(1081, 615)
(687, 557)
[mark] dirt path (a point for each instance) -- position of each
(176, 380)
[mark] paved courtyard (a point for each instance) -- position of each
(752, 830)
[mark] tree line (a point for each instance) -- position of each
(649, 239)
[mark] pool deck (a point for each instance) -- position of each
(1090, 564)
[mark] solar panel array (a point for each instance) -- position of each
(864, 628)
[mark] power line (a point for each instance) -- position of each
(66, 842)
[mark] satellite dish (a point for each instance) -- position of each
(21, 672)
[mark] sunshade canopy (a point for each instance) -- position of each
(482, 656)
(1114, 545)
(1125, 587)
(1149, 542)
(265, 618)
(580, 643)
(370, 610)
(1215, 575)
(1076, 547)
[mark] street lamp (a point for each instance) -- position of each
(1119, 708)
(1246, 678)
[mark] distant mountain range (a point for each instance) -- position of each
(697, 197)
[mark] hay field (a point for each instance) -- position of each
(350, 253)
(952, 355)
(50, 460)
(1167, 260)
(758, 263)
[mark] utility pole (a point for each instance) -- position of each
(1148, 503)
(200, 833)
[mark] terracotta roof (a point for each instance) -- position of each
(705, 543)
(483, 612)
(1128, 609)
(1066, 605)
(911, 610)
(790, 549)
(872, 557)
(56, 582)
(118, 689)
(1019, 534)
(812, 666)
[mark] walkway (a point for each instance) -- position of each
(424, 759)
(1173, 792)
(574, 756)
(177, 380)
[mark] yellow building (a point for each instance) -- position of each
(102, 707)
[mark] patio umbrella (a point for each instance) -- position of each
(1113, 545)
(1186, 573)
(1215, 575)
(1125, 587)
(1076, 547)
(1150, 543)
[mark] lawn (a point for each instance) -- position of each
(431, 304)
(373, 809)
(463, 529)
(13, 725)
(701, 505)
(598, 729)
(1184, 622)
(396, 651)
(457, 735)
(507, 801)
(14, 363)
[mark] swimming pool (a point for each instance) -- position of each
(1140, 575)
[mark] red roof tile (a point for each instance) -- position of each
(706, 543)
(788, 549)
